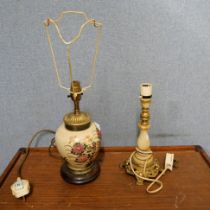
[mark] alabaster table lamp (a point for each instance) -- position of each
(142, 164)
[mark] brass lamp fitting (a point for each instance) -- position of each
(76, 121)
(142, 163)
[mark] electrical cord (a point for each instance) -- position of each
(19, 170)
(157, 181)
(21, 187)
(52, 145)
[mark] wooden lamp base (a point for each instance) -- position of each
(74, 178)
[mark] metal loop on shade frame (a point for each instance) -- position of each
(88, 21)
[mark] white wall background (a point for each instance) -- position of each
(165, 42)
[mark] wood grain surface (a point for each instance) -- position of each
(186, 187)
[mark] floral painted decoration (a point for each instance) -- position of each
(85, 153)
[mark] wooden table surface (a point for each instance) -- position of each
(186, 187)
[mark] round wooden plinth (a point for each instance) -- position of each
(69, 176)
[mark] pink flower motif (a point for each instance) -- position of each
(82, 159)
(78, 148)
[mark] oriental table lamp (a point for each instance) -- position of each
(78, 137)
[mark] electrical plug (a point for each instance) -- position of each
(169, 161)
(20, 188)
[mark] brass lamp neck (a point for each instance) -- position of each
(76, 96)
(76, 120)
(144, 123)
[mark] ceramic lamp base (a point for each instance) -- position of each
(71, 177)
